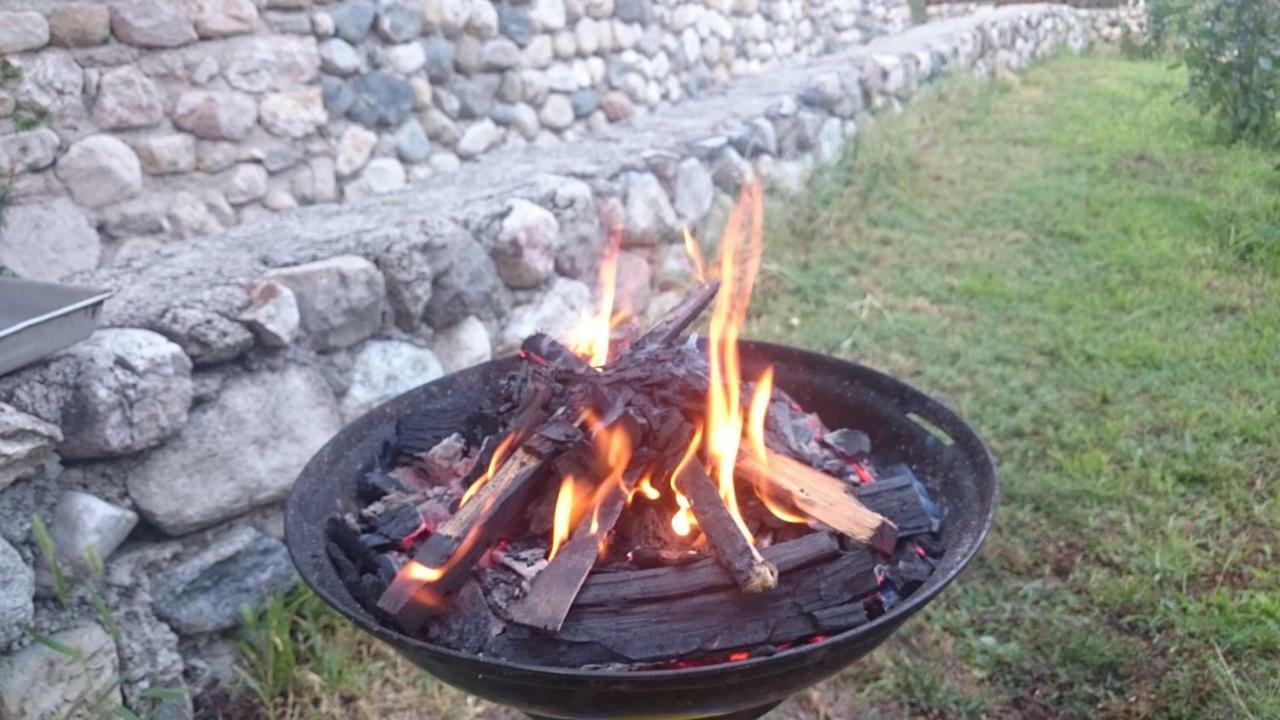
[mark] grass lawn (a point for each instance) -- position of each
(1071, 262)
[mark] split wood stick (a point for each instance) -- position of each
(824, 498)
(621, 588)
(729, 543)
(553, 591)
(679, 318)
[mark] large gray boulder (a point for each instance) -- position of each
(243, 450)
(121, 391)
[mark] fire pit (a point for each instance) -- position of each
(671, 529)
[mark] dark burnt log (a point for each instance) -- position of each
(679, 318)
(553, 591)
(709, 624)
(837, 619)
(820, 496)
(625, 587)
(729, 543)
(904, 501)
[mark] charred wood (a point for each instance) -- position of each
(727, 540)
(706, 624)
(626, 587)
(820, 496)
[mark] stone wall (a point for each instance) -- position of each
(168, 440)
(169, 119)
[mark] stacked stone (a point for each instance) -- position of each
(160, 120)
(228, 361)
(165, 120)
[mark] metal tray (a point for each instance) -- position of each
(38, 319)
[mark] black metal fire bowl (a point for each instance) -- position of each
(945, 453)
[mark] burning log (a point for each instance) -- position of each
(633, 586)
(820, 496)
(553, 591)
(728, 540)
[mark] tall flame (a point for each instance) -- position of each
(563, 515)
(683, 521)
(589, 338)
(755, 441)
(694, 251)
(613, 450)
(741, 248)
(499, 456)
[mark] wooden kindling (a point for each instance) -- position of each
(728, 540)
(822, 497)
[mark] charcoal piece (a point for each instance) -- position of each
(376, 542)
(348, 541)
(850, 443)
(399, 522)
(840, 618)
(902, 574)
(347, 569)
(931, 543)
(419, 431)
(375, 485)
(903, 500)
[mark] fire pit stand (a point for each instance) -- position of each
(905, 425)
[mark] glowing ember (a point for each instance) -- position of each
(740, 250)
(589, 339)
(755, 441)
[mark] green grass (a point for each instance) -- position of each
(1071, 263)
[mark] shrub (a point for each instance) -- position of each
(1232, 54)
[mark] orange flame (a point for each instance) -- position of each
(645, 487)
(499, 456)
(589, 338)
(563, 515)
(740, 251)
(694, 250)
(683, 521)
(418, 572)
(755, 440)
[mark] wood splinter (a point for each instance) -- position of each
(729, 543)
(824, 498)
